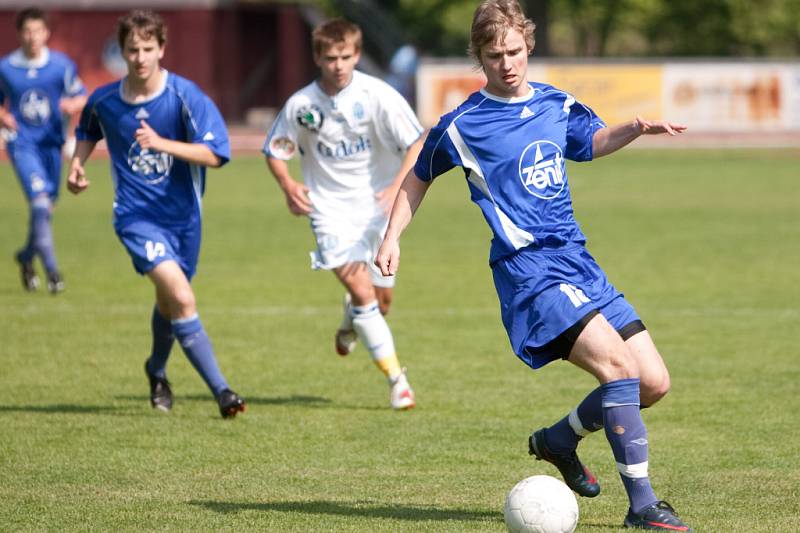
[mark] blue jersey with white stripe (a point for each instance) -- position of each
(513, 152)
(149, 185)
(33, 88)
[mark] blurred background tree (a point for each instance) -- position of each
(600, 28)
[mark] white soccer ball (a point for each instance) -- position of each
(541, 504)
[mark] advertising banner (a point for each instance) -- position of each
(713, 97)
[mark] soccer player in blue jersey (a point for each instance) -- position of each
(512, 139)
(40, 86)
(161, 132)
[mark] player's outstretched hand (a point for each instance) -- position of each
(388, 257)
(147, 137)
(76, 180)
(655, 127)
(297, 198)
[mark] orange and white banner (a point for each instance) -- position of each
(741, 97)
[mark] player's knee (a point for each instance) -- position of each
(652, 390)
(183, 303)
(363, 295)
(620, 365)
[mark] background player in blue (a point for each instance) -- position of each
(161, 132)
(39, 85)
(512, 138)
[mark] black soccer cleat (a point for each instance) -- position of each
(160, 392)
(55, 283)
(576, 476)
(230, 403)
(30, 281)
(658, 517)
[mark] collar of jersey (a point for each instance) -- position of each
(158, 93)
(511, 100)
(18, 59)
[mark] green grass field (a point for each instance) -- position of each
(706, 244)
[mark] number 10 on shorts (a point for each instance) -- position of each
(575, 295)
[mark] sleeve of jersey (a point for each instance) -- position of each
(73, 86)
(582, 124)
(88, 128)
(207, 127)
(438, 154)
(399, 121)
(281, 141)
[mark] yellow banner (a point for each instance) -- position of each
(617, 93)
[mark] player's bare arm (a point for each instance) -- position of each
(76, 179)
(296, 193)
(195, 153)
(608, 140)
(72, 105)
(387, 196)
(408, 199)
(7, 120)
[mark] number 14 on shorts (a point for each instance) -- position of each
(154, 249)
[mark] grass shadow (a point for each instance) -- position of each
(294, 399)
(59, 408)
(364, 509)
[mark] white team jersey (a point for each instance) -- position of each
(351, 144)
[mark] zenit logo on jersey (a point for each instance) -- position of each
(35, 107)
(358, 111)
(541, 169)
(152, 166)
(310, 117)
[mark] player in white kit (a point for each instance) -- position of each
(357, 138)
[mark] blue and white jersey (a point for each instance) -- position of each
(513, 152)
(33, 88)
(150, 185)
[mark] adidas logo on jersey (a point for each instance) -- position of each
(142, 114)
(526, 113)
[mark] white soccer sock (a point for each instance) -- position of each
(373, 330)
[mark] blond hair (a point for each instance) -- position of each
(335, 31)
(491, 22)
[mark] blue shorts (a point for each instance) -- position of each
(544, 292)
(38, 169)
(149, 244)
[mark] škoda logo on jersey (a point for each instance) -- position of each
(310, 117)
(541, 169)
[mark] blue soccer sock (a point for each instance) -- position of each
(564, 435)
(42, 233)
(627, 435)
(162, 344)
(27, 253)
(197, 347)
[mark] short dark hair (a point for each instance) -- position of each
(145, 22)
(335, 31)
(30, 13)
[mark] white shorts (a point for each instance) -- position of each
(350, 240)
